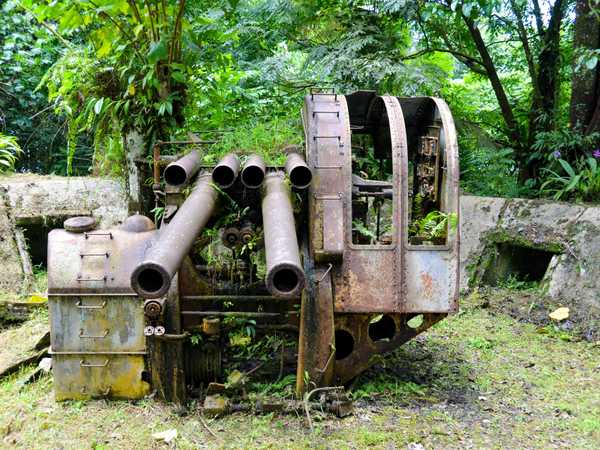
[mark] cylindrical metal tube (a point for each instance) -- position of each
(285, 277)
(225, 173)
(154, 308)
(231, 237)
(298, 171)
(253, 172)
(180, 172)
(152, 277)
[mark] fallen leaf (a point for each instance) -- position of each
(560, 314)
(37, 298)
(166, 436)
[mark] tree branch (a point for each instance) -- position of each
(526, 48)
(537, 12)
(492, 74)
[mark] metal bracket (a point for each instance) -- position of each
(337, 113)
(91, 336)
(95, 254)
(325, 274)
(109, 234)
(81, 306)
(82, 363)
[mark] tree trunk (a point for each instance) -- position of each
(514, 134)
(139, 194)
(585, 95)
(544, 106)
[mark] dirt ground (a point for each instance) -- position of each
(480, 379)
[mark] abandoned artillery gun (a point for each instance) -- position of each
(351, 248)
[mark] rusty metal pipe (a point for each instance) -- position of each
(298, 171)
(180, 172)
(285, 277)
(154, 307)
(225, 173)
(253, 172)
(152, 277)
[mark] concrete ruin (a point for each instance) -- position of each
(32, 205)
(555, 244)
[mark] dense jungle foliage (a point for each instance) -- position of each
(521, 77)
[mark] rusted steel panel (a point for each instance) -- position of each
(363, 346)
(327, 131)
(371, 277)
(97, 346)
(96, 323)
(84, 376)
(316, 344)
(432, 271)
(95, 262)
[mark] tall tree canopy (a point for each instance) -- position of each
(521, 76)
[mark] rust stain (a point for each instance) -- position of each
(427, 283)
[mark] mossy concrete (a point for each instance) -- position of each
(571, 231)
(27, 199)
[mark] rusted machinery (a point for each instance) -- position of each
(351, 248)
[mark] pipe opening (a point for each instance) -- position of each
(223, 176)
(150, 280)
(285, 280)
(175, 175)
(252, 176)
(344, 344)
(382, 328)
(300, 176)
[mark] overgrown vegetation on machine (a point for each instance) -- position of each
(296, 268)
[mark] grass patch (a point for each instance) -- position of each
(478, 379)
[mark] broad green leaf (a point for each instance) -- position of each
(158, 52)
(573, 183)
(565, 165)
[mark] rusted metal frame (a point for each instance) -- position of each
(400, 164)
(364, 348)
(188, 142)
(316, 342)
(451, 184)
(449, 200)
(396, 126)
(326, 193)
(380, 255)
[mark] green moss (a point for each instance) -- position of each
(500, 236)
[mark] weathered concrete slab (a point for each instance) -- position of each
(32, 196)
(571, 232)
(479, 215)
(28, 198)
(12, 276)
